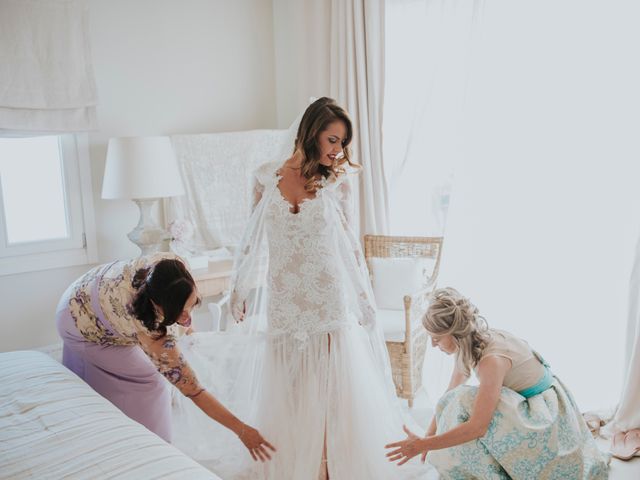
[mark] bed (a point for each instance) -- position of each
(54, 426)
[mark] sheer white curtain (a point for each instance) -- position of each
(627, 416)
(357, 83)
(545, 206)
(427, 51)
(427, 46)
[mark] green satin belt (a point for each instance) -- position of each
(545, 382)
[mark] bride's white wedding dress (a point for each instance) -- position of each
(308, 366)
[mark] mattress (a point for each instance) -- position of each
(54, 426)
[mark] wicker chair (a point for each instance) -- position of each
(406, 351)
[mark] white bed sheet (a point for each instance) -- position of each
(54, 426)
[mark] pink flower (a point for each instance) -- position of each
(181, 230)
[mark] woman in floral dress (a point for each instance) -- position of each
(116, 324)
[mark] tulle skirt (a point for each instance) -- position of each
(320, 395)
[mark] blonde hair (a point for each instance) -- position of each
(450, 313)
(315, 120)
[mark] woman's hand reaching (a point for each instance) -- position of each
(241, 313)
(405, 450)
(368, 319)
(258, 447)
(238, 307)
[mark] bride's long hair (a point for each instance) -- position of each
(315, 120)
(450, 313)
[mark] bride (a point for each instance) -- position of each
(306, 363)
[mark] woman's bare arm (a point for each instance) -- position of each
(491, 372)
(457, 378)
(169, 361)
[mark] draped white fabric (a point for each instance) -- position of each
(216, 171)
(357, 83)
(423, 107)
(627, 416)
(423, 113)
(46, 74)
(543, 217)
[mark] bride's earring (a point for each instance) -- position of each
(158, 313)
(159, 319)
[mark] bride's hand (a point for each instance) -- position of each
(368, 317)
(406, 449)
(258, 447)
(238, 310)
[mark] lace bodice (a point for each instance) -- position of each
(304, 293)
(309, 264)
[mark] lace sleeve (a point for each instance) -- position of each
(251, 254)
(353, 258)
(345, 200)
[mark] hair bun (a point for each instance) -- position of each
(140, 278)
(450, 313)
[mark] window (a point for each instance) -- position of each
(45, 203)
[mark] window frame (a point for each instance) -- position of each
(80, 246)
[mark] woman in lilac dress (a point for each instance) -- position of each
(117, 324)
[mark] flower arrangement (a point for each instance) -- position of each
(181, 232)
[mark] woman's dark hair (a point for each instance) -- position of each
(315, 120)
(168, 284)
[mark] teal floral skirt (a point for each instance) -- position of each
(536, 438)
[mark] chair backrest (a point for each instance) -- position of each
(386, 246)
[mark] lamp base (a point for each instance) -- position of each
(148, 235)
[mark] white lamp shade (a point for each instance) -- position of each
(141, 167)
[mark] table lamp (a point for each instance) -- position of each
(143, 169)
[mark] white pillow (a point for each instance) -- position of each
(393, 278)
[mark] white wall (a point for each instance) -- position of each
(166, 67)
(162, 67)
(302, 44)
